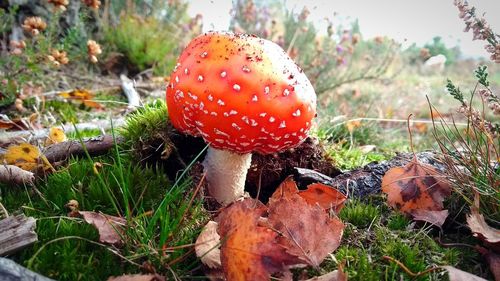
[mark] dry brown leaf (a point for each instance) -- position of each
(456, 274)
(325, 196)
(434, 217)
(249, 251)
(415, 186)
(207, 245)
(109, 227)
(482, 230)
(137, 277)
(306, 230)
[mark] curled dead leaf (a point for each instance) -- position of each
(456, 274)
(482, 230)
(110, 228)
(207, 245)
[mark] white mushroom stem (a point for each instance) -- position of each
(226, 173)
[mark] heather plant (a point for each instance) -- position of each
(481, 30)
(330, 59)
(42, 48)
(471, 154)
(151, 36)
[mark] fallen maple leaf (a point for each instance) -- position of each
(325, 196)
(306, 230)
(109, 227)
(137, 277)
(456, 274)
(416, 186)
(249, 251)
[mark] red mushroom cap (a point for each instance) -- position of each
(240, 93)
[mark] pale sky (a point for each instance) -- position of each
(407, 21)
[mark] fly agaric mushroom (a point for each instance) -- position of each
(242, 94)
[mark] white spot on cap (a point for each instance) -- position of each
(287, 136)
(205, 111)
(219, 140)
(263, 114)
(223, 74)
(220, 102)
(200, 78)
(307, 124)
(273, 146)
(176, 79)
(266, 90)
(282, 125)
(296, 113)
(286, 92)
(225, 114)
(236, 87)
(192, 96)
(245, 69)
(213, 113)
(233, 112)
(202, 105)
(176, 67)
(244, 144)
(219, 132)
(204, 54)
(245, 119)
(186, 71)
(198, 123)
(253, 123)
(272, 119)
(210, 98)
(234, 125)
(255, 98)
(243, 136)
(288, 142)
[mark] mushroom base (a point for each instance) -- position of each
(226, 173)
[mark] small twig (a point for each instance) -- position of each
(407, 270)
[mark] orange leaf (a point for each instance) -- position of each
(286, 189)
(324, 195)
(307, 231)
(249, 251)
(415, 186)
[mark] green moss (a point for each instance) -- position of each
(157, 210)
(397, 221)
(146, 121)
(348, 159)
(359, 214)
